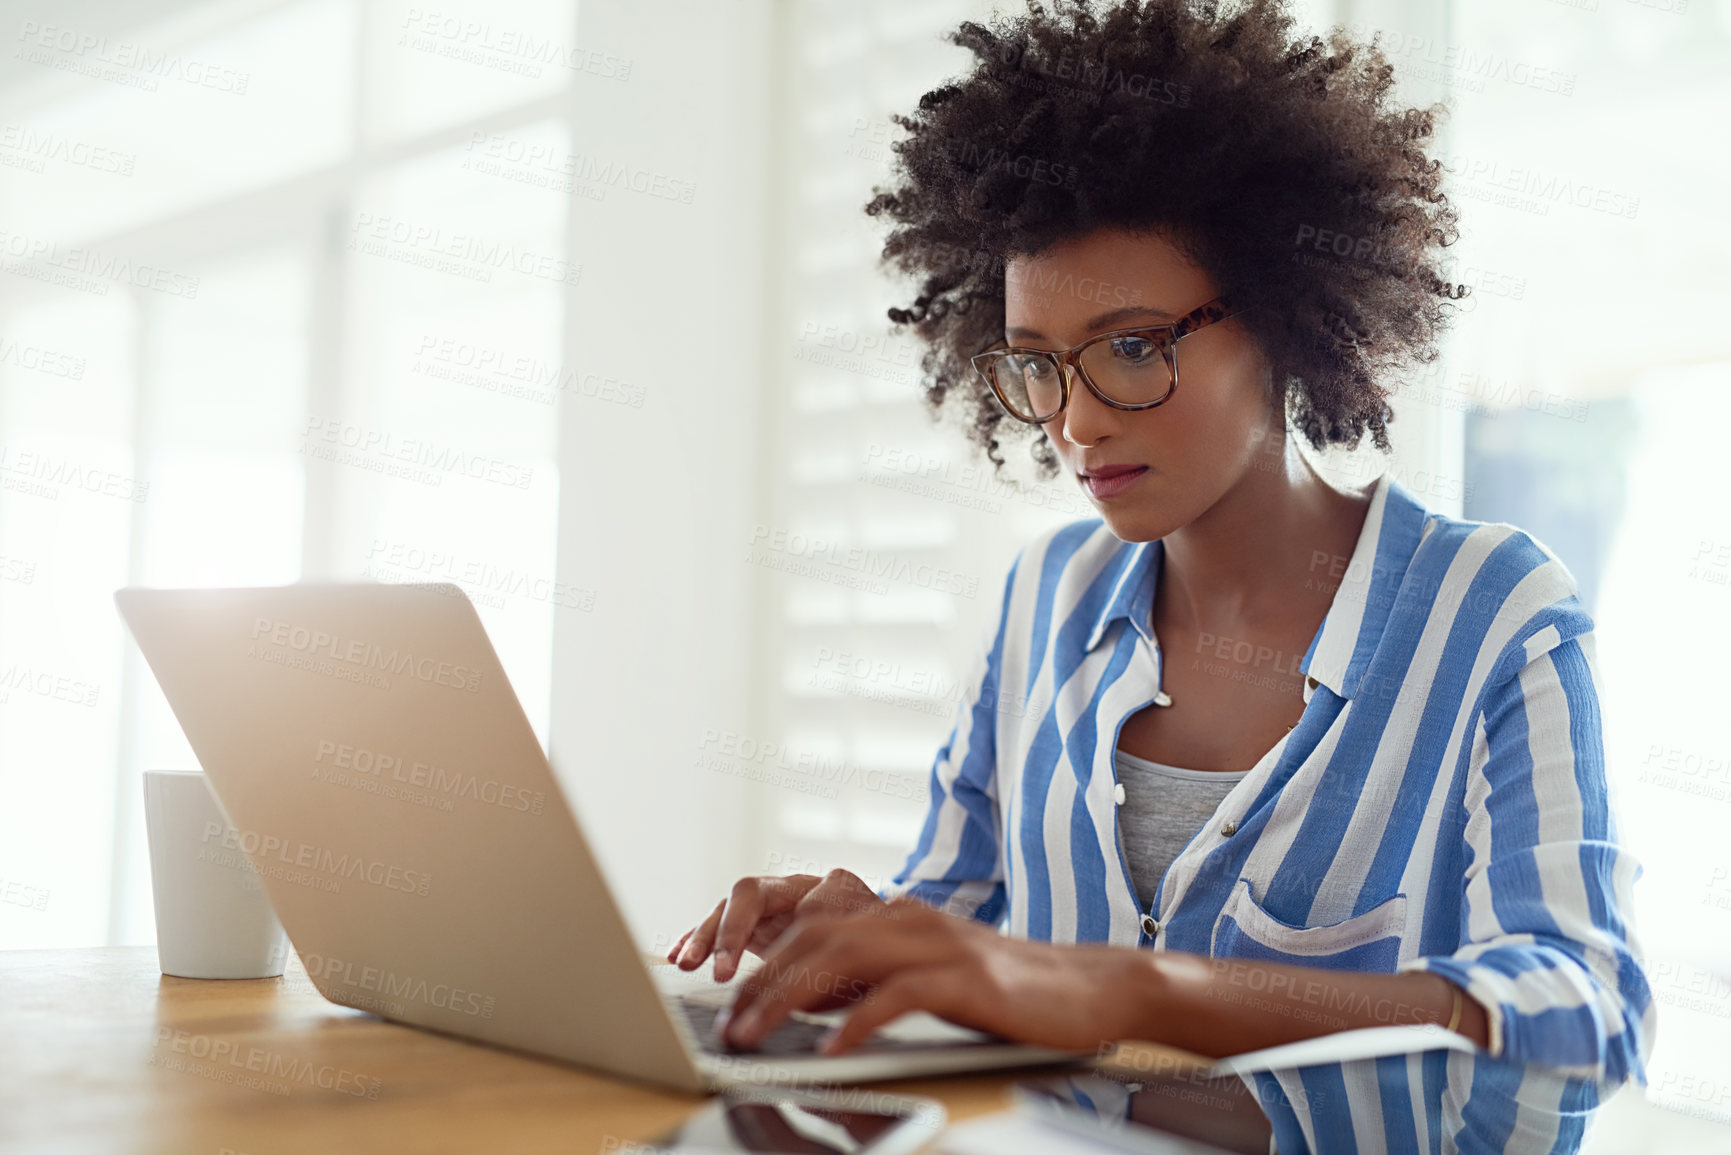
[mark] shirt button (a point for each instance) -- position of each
(1149, 926)
(1118, 794)
(1230, 828)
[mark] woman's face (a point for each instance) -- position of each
(1176, 460)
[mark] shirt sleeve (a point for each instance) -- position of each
(1547, 942)
(958, 863)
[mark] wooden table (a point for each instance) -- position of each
(100, 1052)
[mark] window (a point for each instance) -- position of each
(276, 303)
(1592, 375)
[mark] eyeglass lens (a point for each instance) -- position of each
(1129, 369)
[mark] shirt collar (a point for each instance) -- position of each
(1352, 629)
(1350, 634)
(1137, 570)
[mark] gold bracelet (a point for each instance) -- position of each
(1455, 1019)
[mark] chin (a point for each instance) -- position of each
(1133, 525)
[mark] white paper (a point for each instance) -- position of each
(1012, 1133)
(1346, 1047)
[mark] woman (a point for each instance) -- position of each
(1334, 761)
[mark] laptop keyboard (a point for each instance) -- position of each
(793, 1037)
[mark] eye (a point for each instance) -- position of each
(1030, 367)
(1134, 350)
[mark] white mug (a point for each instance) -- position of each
(213, 920)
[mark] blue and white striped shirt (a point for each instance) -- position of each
(1441, 805)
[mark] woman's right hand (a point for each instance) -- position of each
(760, 908)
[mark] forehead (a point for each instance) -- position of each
(1057, 290)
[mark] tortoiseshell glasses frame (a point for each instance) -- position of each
(1033, 386)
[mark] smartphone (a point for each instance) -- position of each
(1188, 1115)
(843, 1121)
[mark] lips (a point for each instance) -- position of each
(1103, 481)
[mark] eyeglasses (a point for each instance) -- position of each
(1126, 368)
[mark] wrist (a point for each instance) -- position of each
(1148, 1013)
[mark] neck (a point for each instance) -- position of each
(1251, 557)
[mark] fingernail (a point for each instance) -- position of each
(723, 960)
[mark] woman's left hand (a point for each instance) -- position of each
(910, 957)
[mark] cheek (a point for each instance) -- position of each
(1184, 426)
(1202, 436)
(1225, 404)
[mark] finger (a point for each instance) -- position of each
(768, 930)
(700, 940)
(783, 902)
(836, 960)
(874, 948)
(841, 892)
(673, 954)
(826, 962)
(744, 909)
(780, 963)
(818, 981)
(928, 989)
(818, 902)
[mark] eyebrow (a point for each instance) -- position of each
(1104, 321)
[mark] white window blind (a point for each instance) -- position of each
(886, 537)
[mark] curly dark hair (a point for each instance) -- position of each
(1258, 154)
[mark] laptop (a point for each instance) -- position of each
(380, 778)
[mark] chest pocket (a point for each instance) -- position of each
(1365, 942)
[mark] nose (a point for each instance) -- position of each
(1087, 420)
